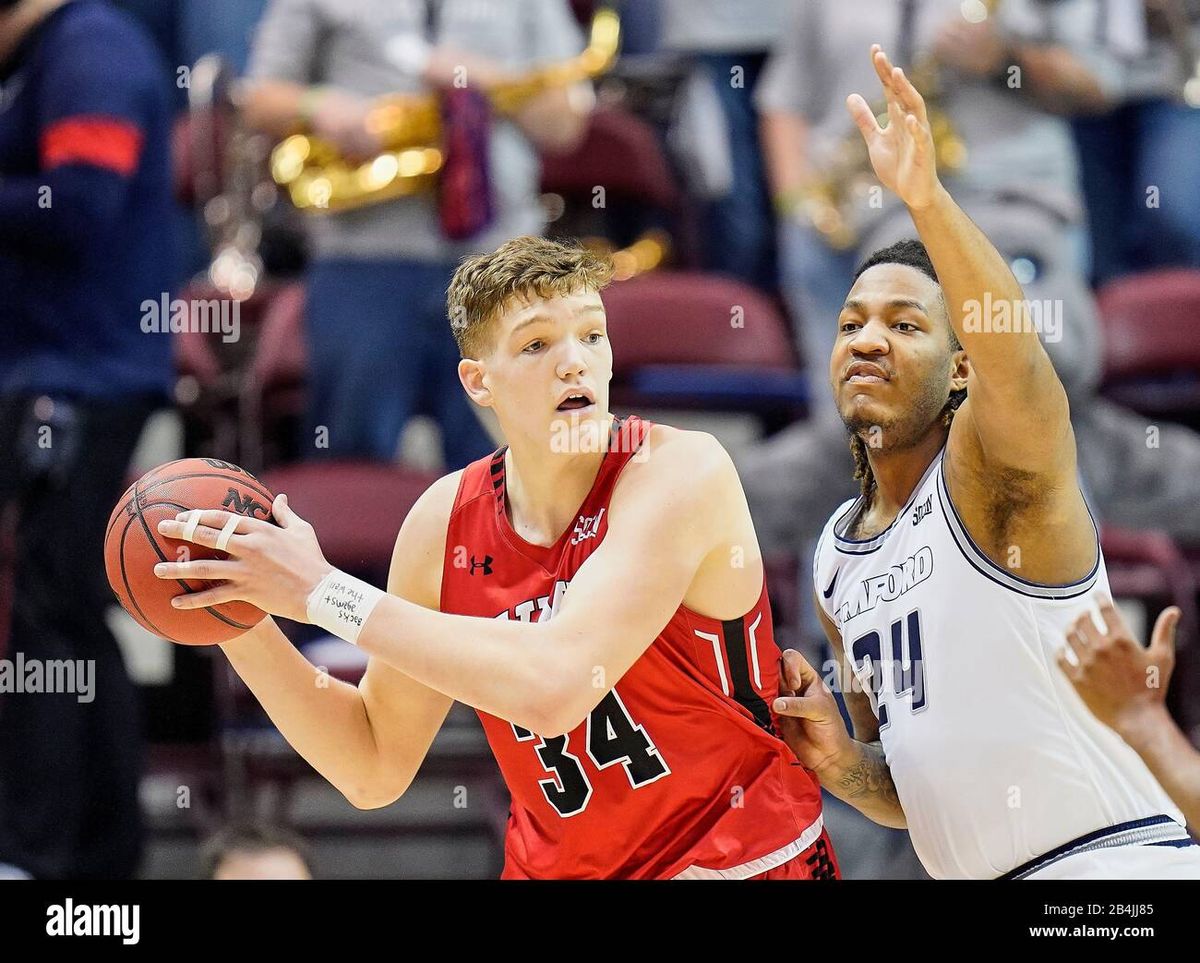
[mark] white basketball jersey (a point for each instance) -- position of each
(995, 757)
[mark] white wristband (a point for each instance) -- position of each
(341, 604)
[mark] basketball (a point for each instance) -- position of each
(133, 546)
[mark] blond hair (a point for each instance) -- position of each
(485, 284)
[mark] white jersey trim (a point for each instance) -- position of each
(763, 863)
(864, 546)
(1137, 832)
(997, 573)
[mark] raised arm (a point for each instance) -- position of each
(671, 515)
(853, 769)
(1011, 374)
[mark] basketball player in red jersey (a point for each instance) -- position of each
(594, 590)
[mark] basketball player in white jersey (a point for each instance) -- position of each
(947, 588)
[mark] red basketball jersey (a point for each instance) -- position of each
(678, 770)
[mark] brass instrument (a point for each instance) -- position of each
(829, 203)
(646, 254)
(228, 179)
(317, 177)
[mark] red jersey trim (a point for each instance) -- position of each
(622, 449)
(106, 142)
(460, 505)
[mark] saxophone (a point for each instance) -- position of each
(830, 202)
(318, 178)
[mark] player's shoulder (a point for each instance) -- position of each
(674, 448)
(416, 569)
(671, 460)
(434, 507)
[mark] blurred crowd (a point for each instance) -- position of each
(717, 144)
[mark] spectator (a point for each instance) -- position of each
(84, 223)
(729, 44)
(380, 347)
(1019, 180)
(1140, 161)
(255, 851)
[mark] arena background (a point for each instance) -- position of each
(688, 169)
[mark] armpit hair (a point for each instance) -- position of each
(1013, 491)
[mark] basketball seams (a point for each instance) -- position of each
(120, 509)
(135, 506)
(214, 474)
(211, 610)
(149, 622)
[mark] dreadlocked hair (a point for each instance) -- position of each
(858, 447)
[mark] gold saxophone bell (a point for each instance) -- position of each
(644, 255)
(318, 178)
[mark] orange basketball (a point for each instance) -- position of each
(133, 546)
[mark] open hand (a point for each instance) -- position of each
(902, 153)
(1116, 677)
(275, 567)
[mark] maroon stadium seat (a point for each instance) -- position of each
(1152, 353)
(621, 152)
(211, 372)
(1150, 566)
(689, 339)
(356, 507)
(688, 317)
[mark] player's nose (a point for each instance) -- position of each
(870, 338)
(572, 361)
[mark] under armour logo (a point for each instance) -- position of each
(588, 526)
(486, 565)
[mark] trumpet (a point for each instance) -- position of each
(318, 178)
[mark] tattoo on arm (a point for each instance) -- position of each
(870, 777)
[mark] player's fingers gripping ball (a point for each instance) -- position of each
(133, 545)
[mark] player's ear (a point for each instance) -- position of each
(473, 376)
(960, 368)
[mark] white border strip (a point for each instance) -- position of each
(763, 863)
